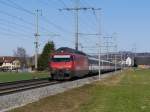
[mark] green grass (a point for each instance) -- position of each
(127, 92)
(12, 76)
(131, 94)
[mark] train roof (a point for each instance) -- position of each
(69, 50)
(96, 59)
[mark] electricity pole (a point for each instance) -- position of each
(121, 62)
(115, 57)
(36, 38)
(99, 37)
(76, 9)
(77, 25)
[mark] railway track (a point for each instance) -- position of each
(11, 87)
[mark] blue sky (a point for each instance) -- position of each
(129, 19)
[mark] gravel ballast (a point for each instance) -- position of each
(11, 101)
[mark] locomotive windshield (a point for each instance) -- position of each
(61, 58)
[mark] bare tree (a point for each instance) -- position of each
(20, 53)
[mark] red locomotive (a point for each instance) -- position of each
(67, 63)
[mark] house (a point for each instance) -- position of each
(129, 61)
(8, 63)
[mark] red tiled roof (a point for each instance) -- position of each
(7, 59)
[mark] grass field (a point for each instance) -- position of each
(12, 76)
(126, 92)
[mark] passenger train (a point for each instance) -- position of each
(67, 63)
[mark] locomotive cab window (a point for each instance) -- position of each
(61, 58)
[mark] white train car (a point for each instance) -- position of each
(105, 66)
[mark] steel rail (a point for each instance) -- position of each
(12, 87)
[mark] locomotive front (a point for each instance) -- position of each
(61, 66)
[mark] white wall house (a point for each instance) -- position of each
(129, 61)
(9, 63)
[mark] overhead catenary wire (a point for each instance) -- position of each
(12, 26)
(14, 35)
(15, 24)
(58, 27)
(8, 26)
(10, 30)
(16, 17)
(55, 25)
(31, 13)
(94, 24)
(91, 23)
(16, 6)
(22, 20)
(21, 8)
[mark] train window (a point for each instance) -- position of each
(61, 58)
